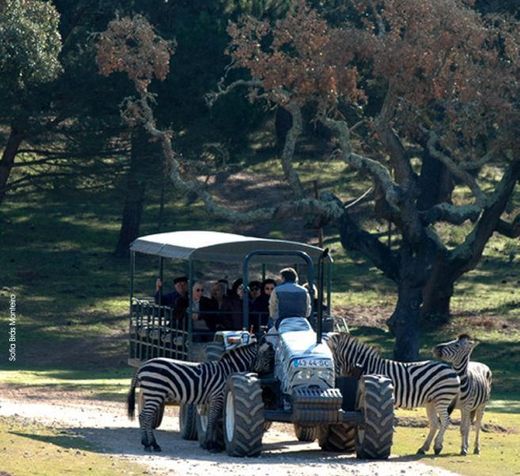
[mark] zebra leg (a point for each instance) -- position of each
(465, 425)
(213, 443)
(444, 422)
(434, 426)
(146, 419)
(478, 421)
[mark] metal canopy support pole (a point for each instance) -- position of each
(320, 294)
(190, 301)
(132, 272)
(161, 277)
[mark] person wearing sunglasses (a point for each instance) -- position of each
(202, 313)
(260, 306)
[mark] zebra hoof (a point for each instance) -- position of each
(464, 453)
(156, 448)
(437, 451)
(421, 451)
(476, 451)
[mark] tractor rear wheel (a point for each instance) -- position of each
(306, 433)
(375, 400)
(187, 421)
(339, 437)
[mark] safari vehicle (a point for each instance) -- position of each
(346, 414)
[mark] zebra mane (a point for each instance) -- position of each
(370, 351)
(242, 349)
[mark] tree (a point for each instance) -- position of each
(29, 47)
(422, 99)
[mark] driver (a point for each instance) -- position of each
(288, 299)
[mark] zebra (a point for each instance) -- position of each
(475, 386)
(190, 382)
(431, 384)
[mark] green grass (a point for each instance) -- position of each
(499, 446)
(108, 384)
(34, 450)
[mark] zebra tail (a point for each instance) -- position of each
(130, 400)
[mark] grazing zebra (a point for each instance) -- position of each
(429, 384)
(189, 382)
(475, 386)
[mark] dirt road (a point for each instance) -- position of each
(106, 425)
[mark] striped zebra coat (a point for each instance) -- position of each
(429, 384)
(162, 379)
(475, 386)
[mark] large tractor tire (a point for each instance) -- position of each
(187, 421)
(306, 433)
(339, 437)
(158, 416)
(243, 415)
(375, 400)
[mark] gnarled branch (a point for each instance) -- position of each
(457, 171)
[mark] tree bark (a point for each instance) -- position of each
(436, 301)
(16, 136)
(404, 323)
(134, 195)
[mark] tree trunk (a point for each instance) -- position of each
(134, 195)
(16, 136)
(405, 321)
(437, 295)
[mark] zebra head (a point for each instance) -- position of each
(455, 351)
(252, 357)
(345, 350)
(264, 362)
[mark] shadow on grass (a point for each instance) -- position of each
(126, 441)
(68, 441)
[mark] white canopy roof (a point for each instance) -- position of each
(215, 246)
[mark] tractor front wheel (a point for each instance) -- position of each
(243, 415)
(375, 400)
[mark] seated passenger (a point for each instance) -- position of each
(289, 299)
(260, 306)
(202, 313)
(233, 305)
(218, 295)
(180, 285)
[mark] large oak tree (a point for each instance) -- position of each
(422, 99)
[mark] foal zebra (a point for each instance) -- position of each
(475, 385)
(431, 384)
(189, 382)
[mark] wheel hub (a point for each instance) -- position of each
(230, 416)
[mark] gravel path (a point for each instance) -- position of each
(106, 425)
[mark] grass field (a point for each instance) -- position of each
(72, 299)
(30, 448)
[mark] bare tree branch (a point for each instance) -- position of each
(377, 171)
(456, 215)
(467, 178)
(213, 96)
(328, 210)
(471, 249)
(288, 150)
